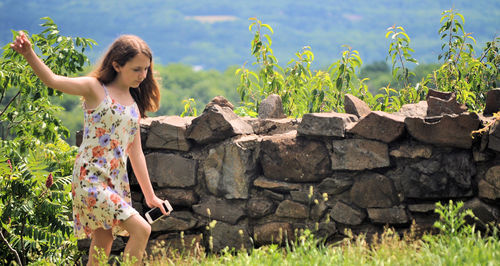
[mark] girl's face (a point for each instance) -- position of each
(134, 71)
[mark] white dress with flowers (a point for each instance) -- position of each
(100, 188)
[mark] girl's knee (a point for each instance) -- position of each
(137, 227)
(147, 229)
(145, 226)
(143, 230)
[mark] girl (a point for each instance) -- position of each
(116, 95)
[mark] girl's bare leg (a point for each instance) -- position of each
(139, 231)
(102, 239)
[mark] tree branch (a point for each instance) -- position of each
(10, 102)
(3, 95)
(11, 248)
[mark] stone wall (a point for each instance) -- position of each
(262, 179)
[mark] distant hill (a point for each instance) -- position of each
(214, 33)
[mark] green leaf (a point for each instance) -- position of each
(251, 26)
(258, 45)
(269, 40)
(461, 16)
(341, 69)
(338, 84)
(268, 27)
(472, 38)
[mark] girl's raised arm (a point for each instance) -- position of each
(76, 86)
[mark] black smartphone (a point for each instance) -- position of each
(155, 214)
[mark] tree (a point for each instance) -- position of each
(35, 164)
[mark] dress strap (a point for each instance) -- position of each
(105, 89)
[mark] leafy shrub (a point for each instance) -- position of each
(461, 72)
(452, 218)
(35, 164)
(303, 90)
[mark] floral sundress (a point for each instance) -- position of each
(100, 187)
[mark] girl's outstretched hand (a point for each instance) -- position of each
(157, 202)
(22, 44)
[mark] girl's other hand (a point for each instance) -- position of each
(22, 44)
(157, 202)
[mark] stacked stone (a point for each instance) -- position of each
(263, 179)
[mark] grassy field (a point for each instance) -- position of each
(458, 243)
(387, 249)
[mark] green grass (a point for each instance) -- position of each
(464, 248)
(458, 243)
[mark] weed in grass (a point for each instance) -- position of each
(457, 244)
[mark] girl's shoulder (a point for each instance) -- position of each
(96, 87)
(96, 90)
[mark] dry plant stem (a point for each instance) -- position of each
(10, 247)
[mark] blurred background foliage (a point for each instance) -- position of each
(213, 33)
(198, 45)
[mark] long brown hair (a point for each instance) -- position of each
(123, 49)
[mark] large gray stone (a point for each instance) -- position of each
(178, 197)
(494, 136)
(258, 207)
(325, 124)
(220, 210)
(334, 186)
(492, 101)
(291, 209)
(230, 168)
(272, 126)
(273, 233)
(220, 101)
(374, 190)
(217, 123)
(318, 209)
(168, 132)
(145, 124)
(411, 150)
(379, 125)
(489, 187)
(273, 195)
(440, 103)
(225, 235)
(271, 107)
(287, 158)
(450, 130)
(177, 221)
(445, 174)
(359, 154)
(170, 170)
(325, 230)
(487, 190)
(304, 197)
(459, 167)
(353, 105)
(395, 215)
(493, 176)
(413, 110)
(281, 186)
(344, 213)
(422, 207)
(484, 212)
